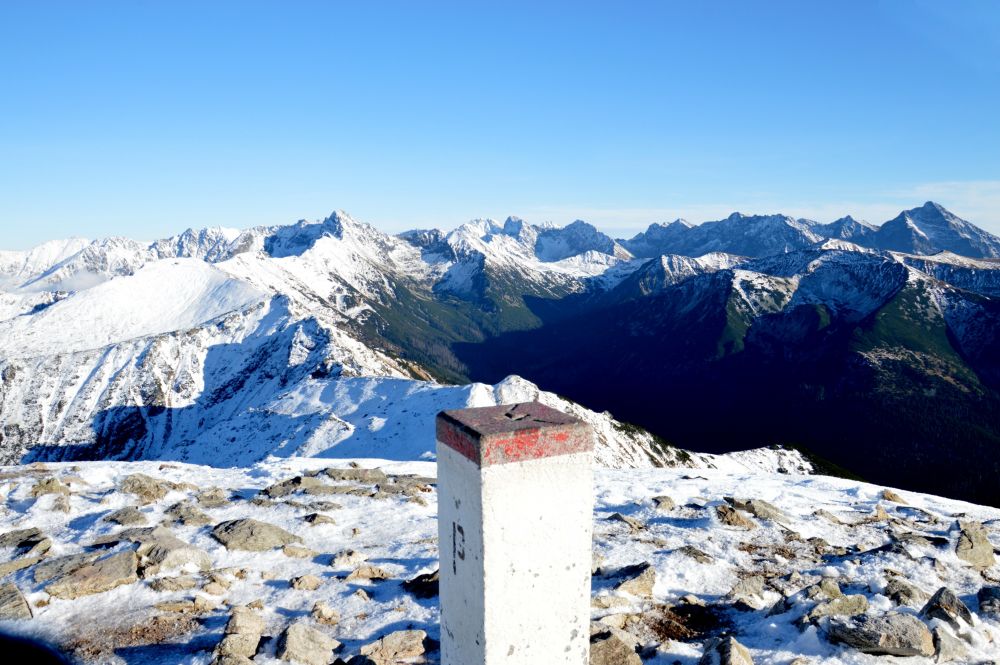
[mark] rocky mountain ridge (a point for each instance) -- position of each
(232, 345)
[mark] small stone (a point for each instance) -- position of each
(974, 546)
(238, 644)
(843, 606)
(889, 495)
(607, 648)
(396, 646)
(732, 517)
(902, 592)
(179, 583)
(948, 647)
(149, 490)
(762, 510)
(213, 497)
(252, 535)
(348, 559)
(12, 603)
(319, 518)
(298, 552)
(749, 590)
(302, 644)
(989, 600)
(357, 475)
(362, 594)
(244, 621)
(664, 503)
(214, 589)
(204, 604)
(49, 486)
(325, 505)
(725, 651)
(887, 635)
(129, 516)
(694, 553)
(638, 580)
(423, 586)
(180, 606)
(185, 513)
(291, 486)
(828, 516)
(97, 577)
(369, 572)
(306, 583)
(633, 524)
(946, 606)
(324, 613)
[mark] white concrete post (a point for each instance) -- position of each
(515, 513)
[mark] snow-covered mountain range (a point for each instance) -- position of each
(329, 338)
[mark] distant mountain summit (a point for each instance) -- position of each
(928, 229)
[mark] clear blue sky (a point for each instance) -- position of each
(145, 118)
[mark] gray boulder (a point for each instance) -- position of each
(843, 606)
(948, 607)
(609, 649)
(664, 503)
(357, 475)
(252, 535)
(97, 577)
(400, 645)
(902, 592)
(732, 517)
(302, 644)
(187, 514)
(725, 651)
(147, 489)
(128, 516)
(974, 546)
(59, 566)
(637, 580)
(887, 635)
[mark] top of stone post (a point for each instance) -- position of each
(513, 433)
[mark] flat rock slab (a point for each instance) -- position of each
(609, 649)
(15, 538)
(252, 535)
(12, 603)
(392, 648)
(302, 644)
(64, 565)
(129, 516)
(973, 546)
(888, 635)
(97, 577)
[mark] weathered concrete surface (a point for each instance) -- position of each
(513, 433)
(515, 506)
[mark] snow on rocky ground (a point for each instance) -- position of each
(752, 572)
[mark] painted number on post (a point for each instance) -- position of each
(457, 545)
